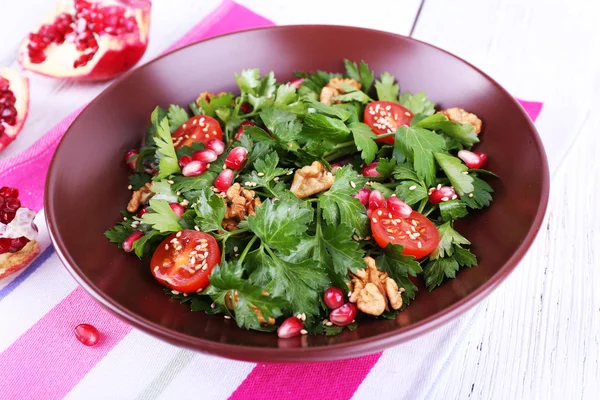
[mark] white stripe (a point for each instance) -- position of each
(129, 367)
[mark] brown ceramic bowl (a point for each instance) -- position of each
(87, 183)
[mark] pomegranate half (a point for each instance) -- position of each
(88, 39)
(14, 105)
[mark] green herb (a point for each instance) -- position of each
(168, 164)
(352, 94)
(190, 186)
(364, 141)
(337, 252)
(419, 145)
(457, 172)
(462, 133)
(386, 167)
(143, 245)
(266, 170)
(340, 111)
(452, 209)
(411, 192)
(222, 102)
(161, 217)
(399, 267)
(417, 103)
(435, 271)
(386, 89)
(481, 194)
(360, 73)
(119, 233)
(448, 237)
(210, 211)
(139, 180)
(177, 116)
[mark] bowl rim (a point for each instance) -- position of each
(300, 354)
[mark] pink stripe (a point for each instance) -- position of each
(533, 108)
(322, 380)
(48, 361)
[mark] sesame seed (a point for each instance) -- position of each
(235, 249)
(390, 215)
(194, 122)
(193, 260)
(355, 237)
(419, 245)
(445, 198)
(414, 222)
(124, 218)
(205, 129)
(394, 222)
(470, 194)
(377, 108)
(129, 187)
(392, 238)
(408, 232)
(178, 193)
(290, 172)
(304, 331)
(465, 172)
(178, 234)
(352, 184)
(170, 182)
(201, 120)
(413, 187)
(439, 186)
(193, 252)
(276, 179)
(167, 246)
(226, 317)
(156, 269)
(207, 135)
(261, 174)
(454, 197)
(329, 323)
(374, 220)
(412, 237)
(196, 227)
(389, 230)
(204, 267)
(213, 305)
(184, 126)
(203, 241)
(412, 228)
(416, 234)
(407, 113)
(379, 212)
(214, 132)
(174, 292)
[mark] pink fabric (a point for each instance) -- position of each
(533, 108)
(48, 361)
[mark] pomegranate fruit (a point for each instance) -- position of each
(184, 160)
(128, 243)
(333, 297)
(473, 160)
(398, 208)
(240, 131)
(87, 334)
(441, 193)
(131, 158)
(194, 168)
(206, 156)
(14, 105)
(370, 169)
(216, 145)
(290, 327)
(363, 195)
(224, 180)
(236, 158)
(177, 209)
(88, 39)
(14, 222)
(376, 200)
(343, 315)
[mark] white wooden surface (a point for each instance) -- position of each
(537, 336)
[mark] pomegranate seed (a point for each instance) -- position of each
(473, 160)
(333, 298)
(245, 108)
(9, 193)
(87, 334)
(363, 196)
(177, 209)
(194, 168)
(236, 158)
(206, 156)
(369, 213)
(216, 145)
(376, 200)
(5, 245)
(6, 217)
(343, 315)
(371, 169)
(143, 211)
(18, 244)
(224, 180)
(2, 203)
(184, 160)
(296, 83)
(131, 158)
(128, 243)
(290, 327)
(12, 205)
(441, 193)
(398, 208)
(240, 131)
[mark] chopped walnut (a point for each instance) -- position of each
(334, 88)
(240, 203)
(311, 179)
(139, 197)
(462, 116)
(374, 291)
(207, 96)
(261, 319)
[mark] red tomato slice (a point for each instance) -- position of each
(386, 117)
(184, 260)
(417, 233)
(200, 128)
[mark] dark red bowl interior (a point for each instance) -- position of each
(87, 182)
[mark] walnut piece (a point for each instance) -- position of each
(139, 197)
(311, 179)
(240, 203)
(462, 116)
(334, 88)
(261, 319)
(207, 96)
(374, 291)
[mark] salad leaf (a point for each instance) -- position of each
(435, 271)
(263, 93)
(161, 217)
(364, 141)
(266, 170)
(352, 94)
(448, 237)
(386, 166)
(168, 164)
(452, 209)
(190, 185)
(360, 73)
(119, 233)
(248, 80)
(417, 103)
(457, 172)
(216, 103)
(419, 146)
(210, 211)
(481, 195)
(177, 116)
(282, 124)
(285, 95)
(411, 192)
(338, 204)
(464, 257)
(399, 267)
(345, 252)
(163, 191)
(405, 172)
(386, 89)
(143, 245)
(314, 82)
(138, 180)
(319, 126)
(339, 111)
(462, 133)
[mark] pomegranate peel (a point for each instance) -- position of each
(14, 105)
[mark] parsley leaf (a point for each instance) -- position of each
(386, 89)
(190, 185)
(452, 209)
(210, 211)
(161, 217)
(419, 145)
(228, 278)
(364, 141)
(167, 157)
(464, 257)
(163, 191)
(481, 195)
(361, 74)
(352, 94)
(398, 266)
(386, 166)
(119, 233)
(177, 116)
(216, 103)
(462, 133)
(281, 225)
(455, 171)
(318, 126)
(143, 245)
(435, 271)
(266, 170)
(411, 192)
(448, 237)
(248, 80)
(405, 172)
(282, 124)
(138, 180)
(314, 82)
(339, 111)
(417, 103)
(285, 95)
(345, 253)
(262, 95)
(338, 204)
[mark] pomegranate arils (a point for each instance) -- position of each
(371, 169)
(236, 158)
(128, 243)
(206, 156)
(87, 334)
(473, 160)
(216, 145)
(240, 131)
(5, 245)
(290, 327)
(376, 200)
(343, 315)
(224, 180)
(143, 211)
(17, 244)
(441, 193)
(245, 108)
(9, 193)
(11, 205)
(184, 160)
(398, 208)
(177, 209)
(194, 168)
(296, 83)
(131, 158)
(333, 298)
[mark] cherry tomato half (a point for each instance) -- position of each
(417, 233)
(184, 260)
(386, 117)
(200, 128)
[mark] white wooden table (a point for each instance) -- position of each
(537, 336)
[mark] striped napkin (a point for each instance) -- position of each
(41, 358)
